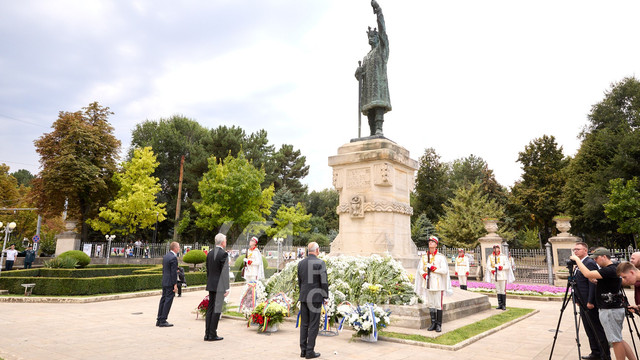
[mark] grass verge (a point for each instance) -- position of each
(465, 332)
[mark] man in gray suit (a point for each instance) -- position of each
(217, 286)
(314, 289)
(169, 284)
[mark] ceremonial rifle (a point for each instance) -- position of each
(495, 260)
(429, 268)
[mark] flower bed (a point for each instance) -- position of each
(516, 289)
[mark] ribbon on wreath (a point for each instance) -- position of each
(373, 320)
(345, 316)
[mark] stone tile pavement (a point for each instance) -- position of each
(122, 329)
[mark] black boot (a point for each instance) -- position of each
(504, 301)
(439, 321)
(499, 296)
(463, 287)
(432, 327)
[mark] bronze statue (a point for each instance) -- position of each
(372, 75)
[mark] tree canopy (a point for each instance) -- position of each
(231, 193)
(134, 207)
(78, 160)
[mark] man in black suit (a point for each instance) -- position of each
(217, 286)
(314, 289)
(169, 284)
(587, 293)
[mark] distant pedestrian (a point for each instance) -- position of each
(12, 253)
(181, 280)
(29, 257)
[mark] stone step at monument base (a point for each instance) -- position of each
(4, 292)
(459, 305)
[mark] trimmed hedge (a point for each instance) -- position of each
(91, 286)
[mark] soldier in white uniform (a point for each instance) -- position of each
(499, 272)
(254, 269)
(462, 268)
(432, 280)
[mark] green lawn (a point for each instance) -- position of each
(465, 332)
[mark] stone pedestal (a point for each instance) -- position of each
(562, 244)
(374, 178)
(488, 241)
(68, 240)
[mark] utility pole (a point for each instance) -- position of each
(175, 225)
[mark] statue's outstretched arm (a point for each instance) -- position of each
(382, 29)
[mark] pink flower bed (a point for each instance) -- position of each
(515, 288)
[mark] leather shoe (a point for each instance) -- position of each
(165, 324)
(303, 354)
(207, 338)
(312, 355)
(591, 357)
(216, 338)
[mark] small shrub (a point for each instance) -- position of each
(66, 262)
(194, 257)
(83, 259)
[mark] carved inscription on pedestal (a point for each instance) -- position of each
(358, 178)
(338, 182)
(383, 174)
(357, 206)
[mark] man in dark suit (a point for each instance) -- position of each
(169, 284)
(314, 289)
(217, 286)
(588, 311)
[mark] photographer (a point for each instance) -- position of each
(586, 291)
(609, 300)
(630, 276)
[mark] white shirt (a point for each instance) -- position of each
(11, 254)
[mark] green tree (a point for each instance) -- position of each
(624, 206)
(231, 193)
(461, 224)
(542, 180)
(78, 160)
(135, 207)
(290, 221)
(171, 139)
(9, 196)
(432, 186)
(23, 176)
(610, 149)
(421, 230)
(282, 197)
(474, 169)
(288, 169)
(323, 204)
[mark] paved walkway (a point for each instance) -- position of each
(122, 329)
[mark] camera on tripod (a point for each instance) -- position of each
(570, 265)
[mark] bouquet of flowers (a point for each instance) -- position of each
(365, 320)
(268, 313)
(204, 305)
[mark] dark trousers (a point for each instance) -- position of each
(8, 265)
(165, 303)
(179, 287)
(309, 323)
(213, 316)
(27, 265)
(593, 336)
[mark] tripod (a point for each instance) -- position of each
(572, 295)
(629, 316)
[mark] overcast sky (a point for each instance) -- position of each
(465, 77)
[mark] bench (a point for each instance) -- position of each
(28, 288)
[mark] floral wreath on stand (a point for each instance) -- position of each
(270, 312)
(366, 320)
(201, 310)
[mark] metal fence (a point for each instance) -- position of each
(530, 265)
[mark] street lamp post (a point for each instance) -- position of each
(109, 239)
(7, 230)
